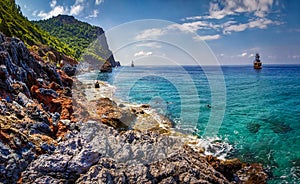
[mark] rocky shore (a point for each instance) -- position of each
(55, 128)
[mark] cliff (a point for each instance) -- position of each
(89, 42)
(51, 133)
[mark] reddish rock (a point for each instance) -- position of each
(61, 130)
(66, 80)
(62, 106)
(55, 86)
(234, 169)
(69, 60)
(46, 99)
(110, 114)
(106, 67)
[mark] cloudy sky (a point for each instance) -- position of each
(234, 30)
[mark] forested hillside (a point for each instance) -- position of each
(76, 34)
(14, 24)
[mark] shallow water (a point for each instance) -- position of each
(262, 112)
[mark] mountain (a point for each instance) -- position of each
(14, 24)
(89, 42)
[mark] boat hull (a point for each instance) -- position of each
(257, 65)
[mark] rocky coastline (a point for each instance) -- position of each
(53, 131)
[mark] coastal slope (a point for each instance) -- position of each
(88, 42)
(14, 24)
(44, 139)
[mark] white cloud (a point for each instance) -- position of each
(259, 8)
(93, 15)
(193, 18)
(235, 28)
(195, 26)
(76, 9)
(53, 3)
(192, 27)
(79, 1)
(150, 33)
(54, 12)
(142, 53)
(149, 44)
(207, 37)
(295, 56)
(261, 23)
(256, 11)
(34, 13)
(243, 54)
(97, 2)
(189, 27)
(81, 8)
(251, 55)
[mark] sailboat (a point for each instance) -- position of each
(257, 64)
(132, 64)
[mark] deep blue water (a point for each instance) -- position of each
(262, 113)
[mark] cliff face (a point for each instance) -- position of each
(34, 98)
(89, 42)
(43, 139)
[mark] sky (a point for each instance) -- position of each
(229, 32)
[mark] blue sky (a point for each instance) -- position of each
(233, 29)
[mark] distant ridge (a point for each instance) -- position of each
(86, 40)
(14, 24)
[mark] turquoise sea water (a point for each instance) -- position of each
(262, 114)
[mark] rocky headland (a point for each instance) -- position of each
(55, 128)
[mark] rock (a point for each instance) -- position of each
(112, 115)
(63, 106)
(41, 128)
(24, 100)
(83, 161)
(145, 106)
(66, 80)
(13, 162)
(118, 63)
(106, 67)
(253, 173)
(3, 72)
(48, 92)
(253, 127)
(69, 70)
(55, 118)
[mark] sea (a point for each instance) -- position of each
(257, 112)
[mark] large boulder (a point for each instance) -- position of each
(106, 67)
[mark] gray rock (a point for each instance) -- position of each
(69, 70)
(55, 118)
(41, 128)
(83, 161)
(3, 72)
(3, 108)
(12, 163)
(23, 100)
(49, 92)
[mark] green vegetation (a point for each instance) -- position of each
(76, 34)
(14, 24)
(63, 33)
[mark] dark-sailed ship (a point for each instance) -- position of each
(132, 64)
(257, 64)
